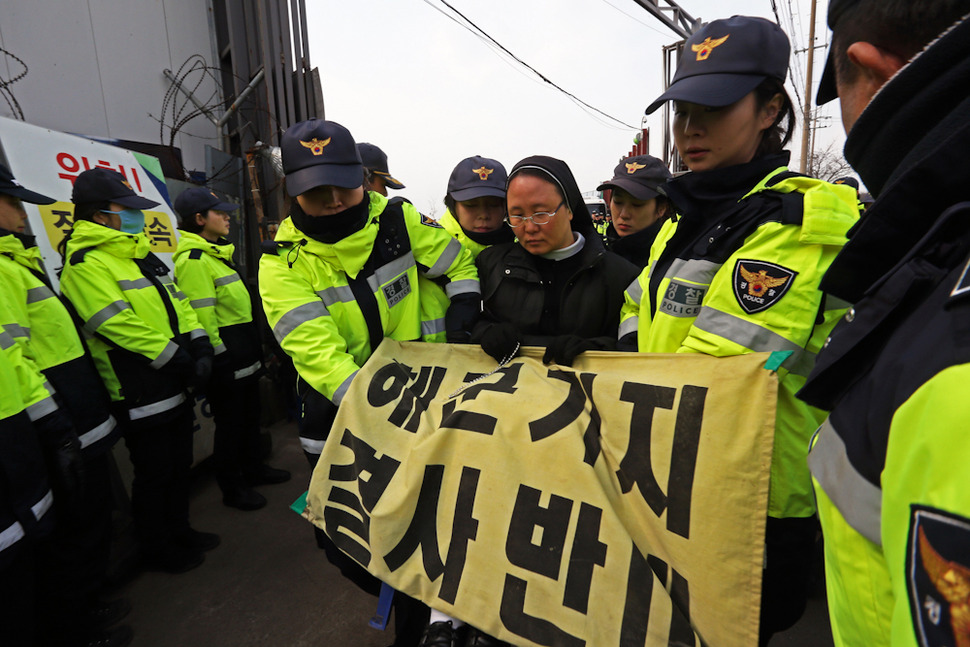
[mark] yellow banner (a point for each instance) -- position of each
(58, 219)
(618, 502)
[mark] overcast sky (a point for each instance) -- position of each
(400, 74)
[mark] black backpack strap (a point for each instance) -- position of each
(151, 268)
(78, 256)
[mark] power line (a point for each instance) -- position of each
(634, 18)
(542, 76)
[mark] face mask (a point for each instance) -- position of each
(132, 220)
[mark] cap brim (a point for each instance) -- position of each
(345, 176)
(390, 181)
(714, 90)
(28, 196)
(826, 86)
(224, 206)
(477, 192)
(635, 189)
(134, 202)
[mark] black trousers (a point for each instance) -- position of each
(18, 593)
(789, 556)
(237, 412)
(73, 562)
(161, 455)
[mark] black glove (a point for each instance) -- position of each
(628, 343)
(201, 347)
(501, 341)
(62, 451)
(203, 371)
(461, 317)
(563, 349)
(181, 366)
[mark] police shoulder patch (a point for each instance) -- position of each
(938, 577)
(759, 285)
(430, 222)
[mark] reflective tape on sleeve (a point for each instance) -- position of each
(219, 350)
(297, 316)
(39, 293)
(208, 302)
(41, 507)
(432, 327)
(312, 446)
(465, 286)
(341, 391)
(627, 326)
(693, 270)
(336, 294)
(445, 260)
(135, 284)
(167, 354)
(858, 499)
(97, 433)
(96, 320)
(16, 330)
(42, 408)
(6, 341)
(198, 332)
(11, 535)
(635, 291)
(392, 270)
(226, 280)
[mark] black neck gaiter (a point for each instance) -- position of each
(330, 229)
(488, 238)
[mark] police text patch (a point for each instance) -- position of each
(682, 299)
(938, 577)
(397, 290)
(759, 285)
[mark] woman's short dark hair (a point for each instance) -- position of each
(190, 225)
(450, 204)
(777, 136)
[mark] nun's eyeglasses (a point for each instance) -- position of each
(538, 218)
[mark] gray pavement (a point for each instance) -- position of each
(269, 585)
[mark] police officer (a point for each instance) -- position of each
(150, 349)
(74, 562)
(25, 496)
(376, 176)
(889, 462)
(342, 275)
(738, 271)
(205, 272)
(638, 206)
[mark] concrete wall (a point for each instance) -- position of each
(95, 67)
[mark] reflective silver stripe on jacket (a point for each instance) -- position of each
(156, 407)
(39, 293)
(754, 337)
(45, 407)
(693, 270)
(392, 270)
(11, 535)
(94, 435)
(198, 332)
(336, 294)
(16, 330)
(445, 260)
(134, 284)
(96, 320)
(859, 501)
(6, 341)
(341, 391)
(311, 446)
(219, 350)
(208, 302)
(167, 354)
(627, 326)
(298, 315)
(41, 507)
(226, 280)
(635, 291)
(465, 286)
(247, 371)
(432, 327)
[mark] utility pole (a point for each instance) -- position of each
(807, 110)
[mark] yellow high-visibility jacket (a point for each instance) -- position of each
(754, 288)
(138, 321)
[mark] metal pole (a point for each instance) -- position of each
(807, 123)
(242, 96)
(208, 115)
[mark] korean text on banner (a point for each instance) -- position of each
(618, 502)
